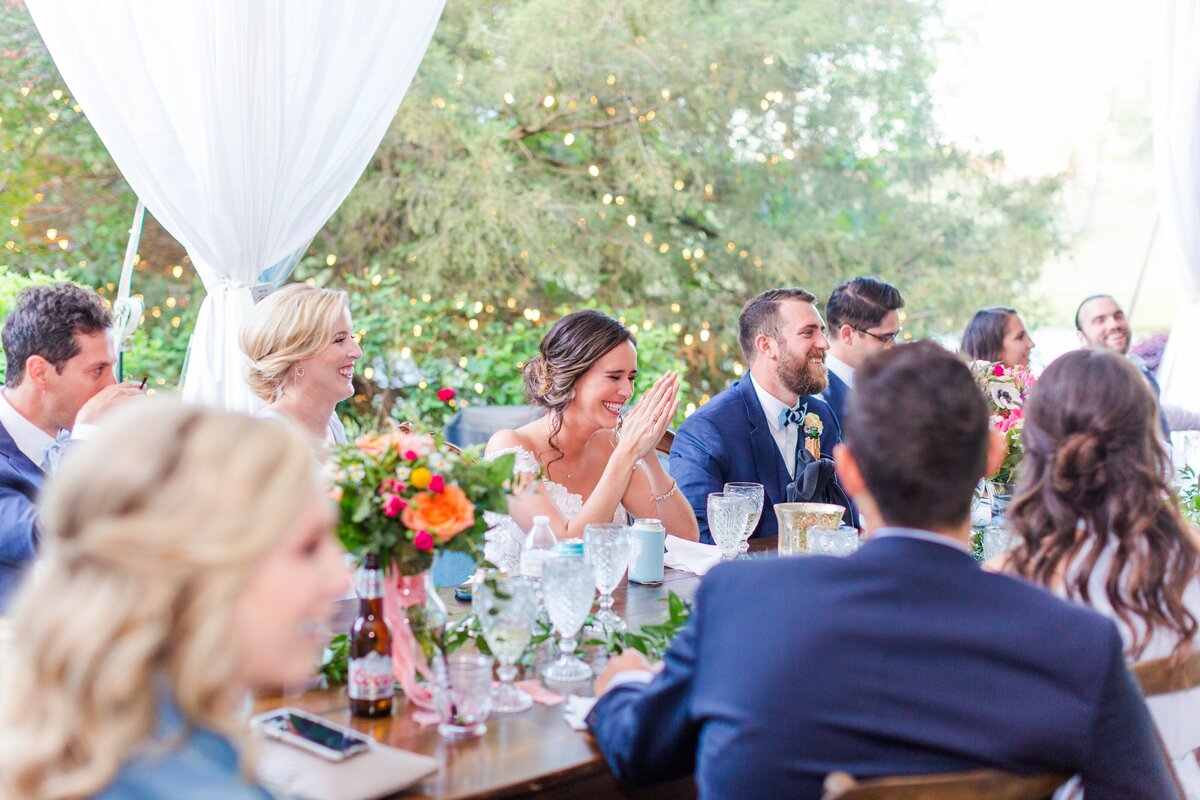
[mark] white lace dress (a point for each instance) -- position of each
(504, 539)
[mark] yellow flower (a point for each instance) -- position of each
(420, 478)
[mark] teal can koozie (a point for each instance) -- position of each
(649, 537)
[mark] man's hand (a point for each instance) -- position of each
(630, 659)
(106, 399)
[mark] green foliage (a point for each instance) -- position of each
(665, 159)
(652, 640)
(642, 154)
(1189, 495)
(335, 662)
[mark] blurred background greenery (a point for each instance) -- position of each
(663, 160)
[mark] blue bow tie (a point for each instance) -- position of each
(793, 416)
(53, 451)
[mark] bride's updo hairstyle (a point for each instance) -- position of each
(1095, 473)
(290, 325)
(573, 344)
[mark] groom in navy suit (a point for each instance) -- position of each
(59, 379)
(864, 317)
(770, 427)
(904, 658)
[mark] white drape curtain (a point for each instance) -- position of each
(241, 125)
(1177, 163)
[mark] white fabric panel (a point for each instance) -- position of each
(241, 125)
(1177, 163)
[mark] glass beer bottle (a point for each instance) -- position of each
(371, 683)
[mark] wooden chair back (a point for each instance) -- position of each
(665, 442)
(1163, 676)
(983, 784)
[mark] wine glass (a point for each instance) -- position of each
(506, 607)
(606, 549)
(754, 491)
(568, 588)
(727, 516)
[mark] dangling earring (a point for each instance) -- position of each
(299, 372)
(571, 396)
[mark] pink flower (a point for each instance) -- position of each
(445, 394)
(437, 485)
(411, 455)
(419, 443)
(423, 541)
(393, 507)
(998, 370)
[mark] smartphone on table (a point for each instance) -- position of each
(312, 733)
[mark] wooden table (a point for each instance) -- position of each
(534, 752)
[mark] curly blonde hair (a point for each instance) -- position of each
(287, 327)
(151, 532)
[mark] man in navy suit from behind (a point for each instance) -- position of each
(757, 428)
(902, 659)
(59, 378)
(863, 315)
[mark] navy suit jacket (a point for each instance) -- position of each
(20, 482)
(904, 658)
(836, 394)
(728, 439)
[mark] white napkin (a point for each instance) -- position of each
(576, 710)
(690, 556)
(380, 771)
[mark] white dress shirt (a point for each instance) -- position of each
(840, 368)
(924, 536)
(30, 439)
(785, 438)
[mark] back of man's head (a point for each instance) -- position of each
(917, 426)
(44, 322)
(861, 303)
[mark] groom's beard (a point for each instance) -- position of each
(805, 374)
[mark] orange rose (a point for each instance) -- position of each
(444, 515)
(373, 445)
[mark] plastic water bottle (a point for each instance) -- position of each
(539, 545)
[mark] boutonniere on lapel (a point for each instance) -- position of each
(813, 428)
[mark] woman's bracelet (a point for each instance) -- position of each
(658, 498)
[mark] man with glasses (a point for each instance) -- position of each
(863, 315)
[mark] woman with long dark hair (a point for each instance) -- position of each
(1099, 523)
(596, 463)
(998, 335)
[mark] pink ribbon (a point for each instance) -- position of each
(401, 592)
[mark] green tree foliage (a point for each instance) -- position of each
(663, 158)
(682, 154)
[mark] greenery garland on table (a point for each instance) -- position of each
(651, 640)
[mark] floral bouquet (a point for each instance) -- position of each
(1005, 389)
(405, 497)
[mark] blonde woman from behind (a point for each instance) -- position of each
(188, 558)
(301, 352)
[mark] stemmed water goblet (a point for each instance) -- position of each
(506, 607)
(753, 491)
(568, 588)
(606, 549)
(727, 517)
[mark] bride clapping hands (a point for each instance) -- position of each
(594, 465)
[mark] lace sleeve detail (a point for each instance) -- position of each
(525, 464)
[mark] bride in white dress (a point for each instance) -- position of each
(593, 465)
(1099, 524)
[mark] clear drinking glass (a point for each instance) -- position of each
(753, 491)
(727, 516)
(607, 550)
(462, 695)
(506, 607)
(568, 588)
(996, 541)
(830, 541)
